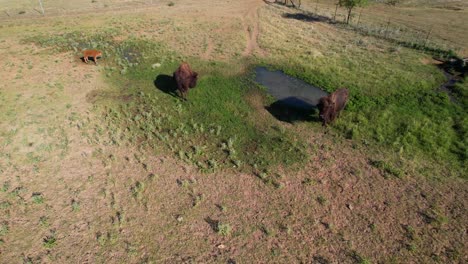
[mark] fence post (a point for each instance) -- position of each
(427, 36)
(359, 18)
(386, 28)
(42, 8)
(334, 16)
(316, 7)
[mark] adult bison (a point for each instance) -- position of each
(185, 79)
(330, 106)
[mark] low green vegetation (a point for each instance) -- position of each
(223, 229)
(50, 241)
(75, 205)
(4, 228)
(386, 169)
(393, 105)
(212, 129)
(38, 198)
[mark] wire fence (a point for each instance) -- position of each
(404, 29)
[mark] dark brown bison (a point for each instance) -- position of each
(185, 79)
(330, 106)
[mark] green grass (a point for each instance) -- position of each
(223, 229)
(38, 198)
(5, 186)
(359, 258)
(386, 169)
(75, 205)
(321, 200)
(394, 105)
(44, 221)
(211, 130)
(4, 228)
(50, 241)
(137, 190)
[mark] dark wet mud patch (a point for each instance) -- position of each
(296, 100)
(288, 90)
(454, 70)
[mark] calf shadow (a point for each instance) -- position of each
(166, 84)
(94, 60)
(293, 109)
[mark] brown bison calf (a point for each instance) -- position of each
(185, 79)
(330, 106)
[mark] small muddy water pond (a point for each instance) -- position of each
(289, 91)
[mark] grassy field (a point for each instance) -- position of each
(105, 164)
(436, 24)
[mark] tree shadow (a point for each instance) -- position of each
(307, 17)
(293, 109)
(166, 84)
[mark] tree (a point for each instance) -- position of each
(350, 4)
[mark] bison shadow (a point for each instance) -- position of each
(166, 84)
(293, 109)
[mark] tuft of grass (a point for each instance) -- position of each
(75, 205)
(269, 179)
(309, 181)
(4, 228)
(321, 200)
(223, 208)
(386, 168)
(359, 258)
(50, 241)
(137, 190)
(38, 198)
(5, 186)
(17, 191)
(411, 247)
(44, 221)
(435, 216)
(101, 238)
(5, 205)
(223, 229)
(197, 200)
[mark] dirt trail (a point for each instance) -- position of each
(209, 48)
(252, 30)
